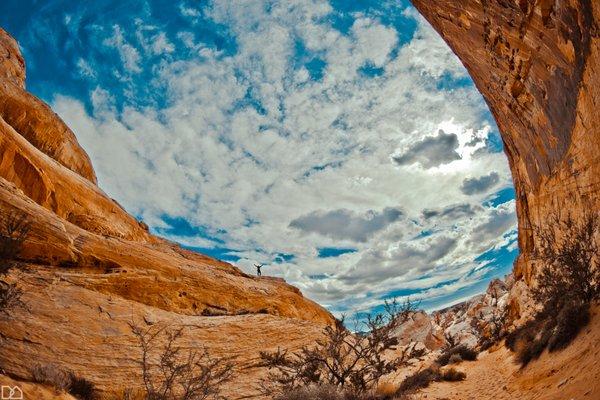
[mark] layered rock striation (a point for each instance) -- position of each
(88, 269)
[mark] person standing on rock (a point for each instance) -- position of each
(258, 267)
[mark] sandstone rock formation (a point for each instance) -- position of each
(422, 329)
(536, 62)
(88, 268)
(572, 373)
(466, 322)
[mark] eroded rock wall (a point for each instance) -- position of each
(88, 269)
(537, 64)
(32, 118)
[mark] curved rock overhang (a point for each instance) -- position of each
(537, 64)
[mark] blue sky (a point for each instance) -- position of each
(340, 143)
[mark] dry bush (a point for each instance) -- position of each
(13, 232)
(452, 375)
(571, 260)
(423, 378)
(420, 380)
(353, 363)
(455, 359)
(171, 373)
(459, 352)
(82, 389)
(552, 333)
(569, 322)
(51, 375)
(332, 392)
(65, 381)
(10, 297)
(313, 392)
(566, 287)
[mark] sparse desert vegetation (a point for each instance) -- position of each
(455, 354)
(65, 381)
(424, 377)
(13, 231)
(567, 285)
(350, 365)
(172, 372)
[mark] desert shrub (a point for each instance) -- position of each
(548, 332)
(455, 359)
(178, 374)
(353, 363)
(420, 380)
(51, 375)
(10, 297)
(460, 352)
(569, 322)
(62, 380)
(571, 263)
(423, 378)
(531, 347)
(567, 285)
(13, 232)
(332, 392)
(81, 388)
(527, 331)
(452, 375)
(313, 392)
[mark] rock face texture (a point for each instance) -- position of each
(465, 322)
(33, 119)
(571, 373)
(88, 268)
(537, 64)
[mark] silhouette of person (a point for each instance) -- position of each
(258, 267)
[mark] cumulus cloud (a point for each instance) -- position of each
(482, 184)
(268, 160)
(345, 224)
(432, 151)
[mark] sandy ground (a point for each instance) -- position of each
(570, 374)
(573, 373)
(30, 391)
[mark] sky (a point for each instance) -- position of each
(341, 144)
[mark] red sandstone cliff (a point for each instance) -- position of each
(89, 268)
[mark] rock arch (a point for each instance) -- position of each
(537, 64)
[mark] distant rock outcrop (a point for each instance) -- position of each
(468, 322)
(88, 268)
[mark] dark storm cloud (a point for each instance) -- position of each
(455, 211)
(431, 151)
(345, 224)
(472, 186)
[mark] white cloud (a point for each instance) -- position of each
(130, 57)
(252, 149)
